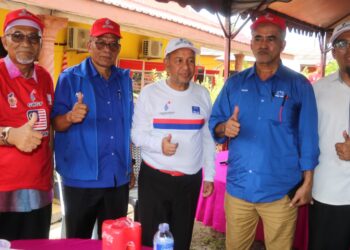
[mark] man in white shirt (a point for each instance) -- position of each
(330, 213)
(170, 123)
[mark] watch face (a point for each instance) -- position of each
(4, 133)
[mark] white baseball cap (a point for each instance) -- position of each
(340, 29)
(180, 43)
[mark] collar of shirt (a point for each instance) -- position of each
(94, 73)
(14, 71)
(339, 78)
(279, 72)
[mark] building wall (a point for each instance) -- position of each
(130, 48)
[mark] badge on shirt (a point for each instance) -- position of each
(41, 123)
(279, 94)
(167, 105)
(32, 97)
(196, 110)
(12, 100)
(49, 99)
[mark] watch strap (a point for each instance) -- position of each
(5, 135)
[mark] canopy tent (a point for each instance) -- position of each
(304, 15)
(310, 17)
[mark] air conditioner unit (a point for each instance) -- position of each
(151, 49)
(77, 39)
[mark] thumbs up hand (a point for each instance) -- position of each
(168, 148)
(79, 110)
(343, 148)
(232, 125)
(25, 138)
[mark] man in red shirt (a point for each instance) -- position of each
(26, 98)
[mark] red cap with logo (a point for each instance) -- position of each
(105, 26)
(269, 18)
(23, 15)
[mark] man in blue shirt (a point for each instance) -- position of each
(92, 118)
(268, 115)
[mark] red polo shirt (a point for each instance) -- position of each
(19, 97)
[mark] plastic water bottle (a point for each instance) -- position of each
(163, 239)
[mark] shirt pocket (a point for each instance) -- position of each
(283, 111)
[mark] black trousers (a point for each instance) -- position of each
(26, 225)
(86, 205)
(165, 198)
(329, 227)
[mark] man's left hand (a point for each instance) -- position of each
(208, 188)
(343, 149)
(302, 196)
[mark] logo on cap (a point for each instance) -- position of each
(269, 17)
(24, 12)
(340, 29)
(343, 26)
(108, 25)
(183, 41)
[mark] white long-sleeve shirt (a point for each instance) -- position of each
(160, 111)
(332, 175)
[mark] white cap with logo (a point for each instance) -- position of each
(180, 43)
(340, 29)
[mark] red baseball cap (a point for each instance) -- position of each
(27, 18)
(105, 26)
(269, 18)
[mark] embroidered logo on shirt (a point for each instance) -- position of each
(41, 123)
(166, 110)
(196, 110)
(166, 106)
(49, 99)
(279, 93)
(32, 96)
(12, 100)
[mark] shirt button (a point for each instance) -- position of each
(110, 118)
(112, 153)
(250, 171)
(108, 102)
(112, 137)
(262, 100)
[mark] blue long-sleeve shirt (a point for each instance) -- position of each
(96, 152)
(278, 137)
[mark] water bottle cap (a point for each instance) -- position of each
(163, 227)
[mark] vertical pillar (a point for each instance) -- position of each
(239, 58)
(52, 26)
(227, 47)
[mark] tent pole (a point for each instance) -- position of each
(324, 50)
(227, 46)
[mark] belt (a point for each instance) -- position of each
(169, 172)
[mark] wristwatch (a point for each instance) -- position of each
(4, 135)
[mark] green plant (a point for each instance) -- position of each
(156, 76)
(214, 89)
(331, 67)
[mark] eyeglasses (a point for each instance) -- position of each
(113, 46)
(341, 44)
(18, 37)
